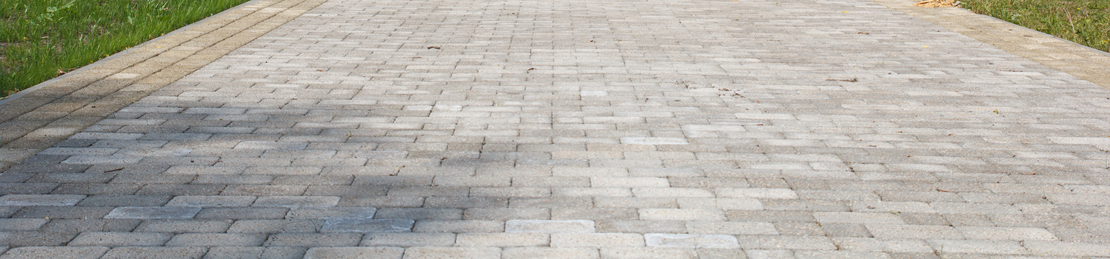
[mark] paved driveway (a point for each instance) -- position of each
(585, 129)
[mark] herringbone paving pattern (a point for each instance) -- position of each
(585, 129)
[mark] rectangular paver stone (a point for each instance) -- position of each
(653, 141)
(9, 224)
(1006, 233)
(313, 240)
(758, 193)
(978, 247)
(453, 252)
(550, 226)
(216, 239)
(691, 240)
(648, 252)
(296, 201)
(354, 253)
(900, 231)
(29, 252)
(857, 217)
(408, 239)
(786, 242)
(549, 253)
(502, 239)
(596, 239)
(211, 201)
(155, 252)
(367, 225)
(731, 228)
(331, 213)
(236, 252)
(1054, 248)
(183, 226)
(459, 226)
(40, 200)
(153, 212)
(119, 239)
(275, 226)
(682, 214)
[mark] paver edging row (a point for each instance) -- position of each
(46, 114)
(1069, 57)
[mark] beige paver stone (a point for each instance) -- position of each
(503, 239)
(355, 252)
(596, 239)
(549, 252)
(452, 252)
(1006, 233)
(549, 226)
(1053, 248)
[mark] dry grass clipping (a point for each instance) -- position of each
(936, 3)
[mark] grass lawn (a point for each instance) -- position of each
(42, 39)
(1085, 22)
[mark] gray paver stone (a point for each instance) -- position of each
(211, 201)
(234, 252)
(54, 252)
(549, 252)
(40, 200)
(314, 240)
(367, 225)
(21, 224)
(153, 212)
(550, 226)
(330, 213)
(216, 239)
(149, 252)
(452, 252)
(408, 239)
(355, 252)
(691, 241)
(296, 201)
(115, 239)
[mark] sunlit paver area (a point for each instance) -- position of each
(585, 129)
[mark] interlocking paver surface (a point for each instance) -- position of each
(585, 129)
